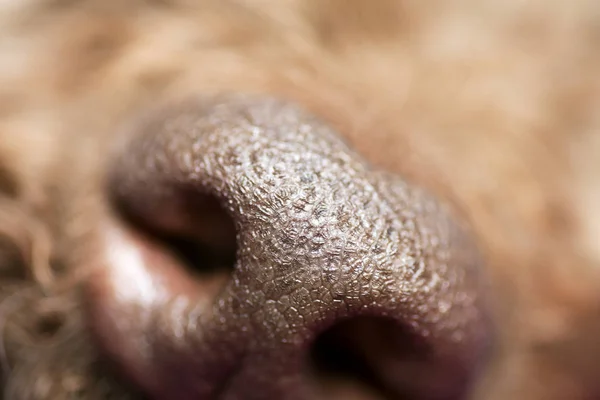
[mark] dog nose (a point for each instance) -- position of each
(251, 254)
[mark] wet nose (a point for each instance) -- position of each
(250, 252)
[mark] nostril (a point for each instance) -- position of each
(350, 355)
(157, 282)
(199, 259)
(208, 252)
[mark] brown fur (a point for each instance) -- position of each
(493, 104)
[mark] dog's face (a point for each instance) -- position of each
(299, 199)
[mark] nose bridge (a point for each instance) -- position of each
(312, 220)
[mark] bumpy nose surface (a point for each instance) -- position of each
(320, 238)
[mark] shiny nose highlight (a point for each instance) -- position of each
(315, 257)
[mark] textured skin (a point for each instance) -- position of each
(321, 237)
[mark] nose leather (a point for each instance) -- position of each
(321, 236)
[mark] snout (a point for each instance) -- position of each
(250, 253)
